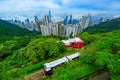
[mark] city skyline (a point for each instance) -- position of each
(65, 27)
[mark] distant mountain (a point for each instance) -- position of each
(104, 27)
(8, 29)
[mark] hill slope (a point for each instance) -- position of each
(8, 29)
(104, 27)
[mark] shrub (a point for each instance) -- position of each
(33, 67)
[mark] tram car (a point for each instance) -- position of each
(49, 66)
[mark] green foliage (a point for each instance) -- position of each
(108, 53)
(89, 49)
(88, 58)
(104, 27)
(88, 38)
(105, 47)
(32, 68)
(5, 38)
(10, 46)
(8, 29)
(13, 74)
(16, 52)
(103, 57)
(4, 51)
(42, 48)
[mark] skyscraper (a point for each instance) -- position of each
(70, 20)
(69, 31)
(83, 22)
(55, 29)
(87, 23)
(60, 29)
(46, 20)
(27, 21)
(50, 20)
(44, 30)
(38, 23)
(66, 20)
(75, 30)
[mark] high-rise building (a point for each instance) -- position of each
(44, 30)
(27, 21)
(38, 23)
(87, 23)
(46, 20)
(75, 30)
(79, 28)
(66, 20)
(69, 31)
(60, 29)
(55, 29)
(50, 20)
(70, 20)
(83, 22)
(50, 28)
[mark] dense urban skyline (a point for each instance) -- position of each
(57, 17)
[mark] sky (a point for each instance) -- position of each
(74, 6)
(25, 5)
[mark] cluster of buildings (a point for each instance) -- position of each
(66, 27)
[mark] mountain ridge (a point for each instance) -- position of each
(104, 27)
(8, 29)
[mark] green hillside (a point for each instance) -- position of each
(104, 51)
(103, 27)
(23, 55)
(8, 29)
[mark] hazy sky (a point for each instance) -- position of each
(25, 5)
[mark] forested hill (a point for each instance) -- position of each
(104, 27)
(8, 29)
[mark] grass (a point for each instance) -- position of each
(32, 68)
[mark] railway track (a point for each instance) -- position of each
(49, 66)
(35, 76)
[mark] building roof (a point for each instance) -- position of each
(76, 39)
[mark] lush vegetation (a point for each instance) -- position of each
(23, 51)
(34, 67)
(102, 49)
(104, 27)
(99, 53)
(8, 29)
(27, 54)
(22, 54)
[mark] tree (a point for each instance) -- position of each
(43, 48)
(88, 58)
(108, 54)
(4, 51)
(13, 74)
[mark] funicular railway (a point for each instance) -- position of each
(51, 65)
